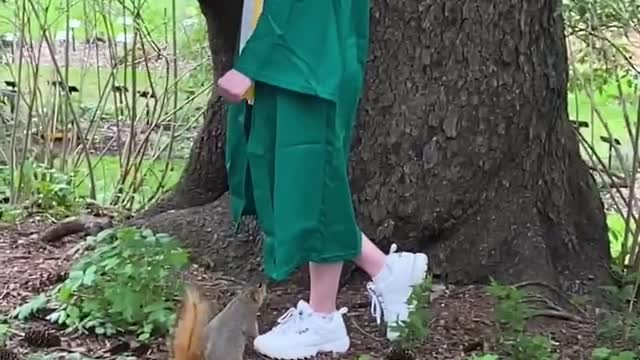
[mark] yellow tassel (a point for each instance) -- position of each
(257, 10)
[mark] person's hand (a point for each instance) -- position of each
(233, 85)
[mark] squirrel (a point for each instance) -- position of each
(222, 338)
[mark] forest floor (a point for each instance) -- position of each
(462, 322)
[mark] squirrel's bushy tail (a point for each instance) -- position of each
(188, 342)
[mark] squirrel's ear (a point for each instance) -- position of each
(255, 294)
(258, 292)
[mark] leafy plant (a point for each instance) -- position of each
(603, 353)
(364, 357)
(10, 214)
(512, 312)
(5, 329)
(127, 283)
(620, 325)
(37, 303)
(484, 357)
(53, 191)
(42, 189)
(526, 347)
(617, 226)
(416, 328)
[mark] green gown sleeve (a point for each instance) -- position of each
(298, 45)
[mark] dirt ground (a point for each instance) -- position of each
(462, 322)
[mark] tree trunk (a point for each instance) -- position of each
(463, 147)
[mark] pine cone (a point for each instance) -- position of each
(41, 338)
(6, 354)
(397, 353)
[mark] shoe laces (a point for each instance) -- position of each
(292, 319)
(377, 303)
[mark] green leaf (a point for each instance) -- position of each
(89, 275)
(26, 310)
(76, 278)
(4, 333)
(178, 258)
(626, 355)
(127, 234)
(110, 263)
(144, 336)
(65, 293)
(73, 312)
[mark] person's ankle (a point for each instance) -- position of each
(378, 270)
(323, 310)
(325, 314)
(383, 275)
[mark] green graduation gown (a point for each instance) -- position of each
(287, 154)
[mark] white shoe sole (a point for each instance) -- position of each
(418, 274)
(336, 347)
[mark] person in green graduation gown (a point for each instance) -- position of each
(287, 155)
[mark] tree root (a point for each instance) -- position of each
(86, 224)
(552, 310)
(557, 291)
(562, 315)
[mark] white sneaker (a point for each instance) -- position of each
(302, 333)
(390, 290)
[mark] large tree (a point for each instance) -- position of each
(463, 147)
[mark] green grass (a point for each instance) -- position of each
(93, 82)
(95, 89)
(617, 227)
(611, 110)
(90, 81)
(107, 172)
(103, 15)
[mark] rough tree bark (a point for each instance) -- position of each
(463, 147)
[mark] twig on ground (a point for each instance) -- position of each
(4, 292)
(19, 256)
(371, 336)
(73, 351)
(228, 279)
(459, 290)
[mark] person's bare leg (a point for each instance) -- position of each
(393, 278)
(325, 280)
(371, 259)
(310, 328)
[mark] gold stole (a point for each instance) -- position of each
(251, 12)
